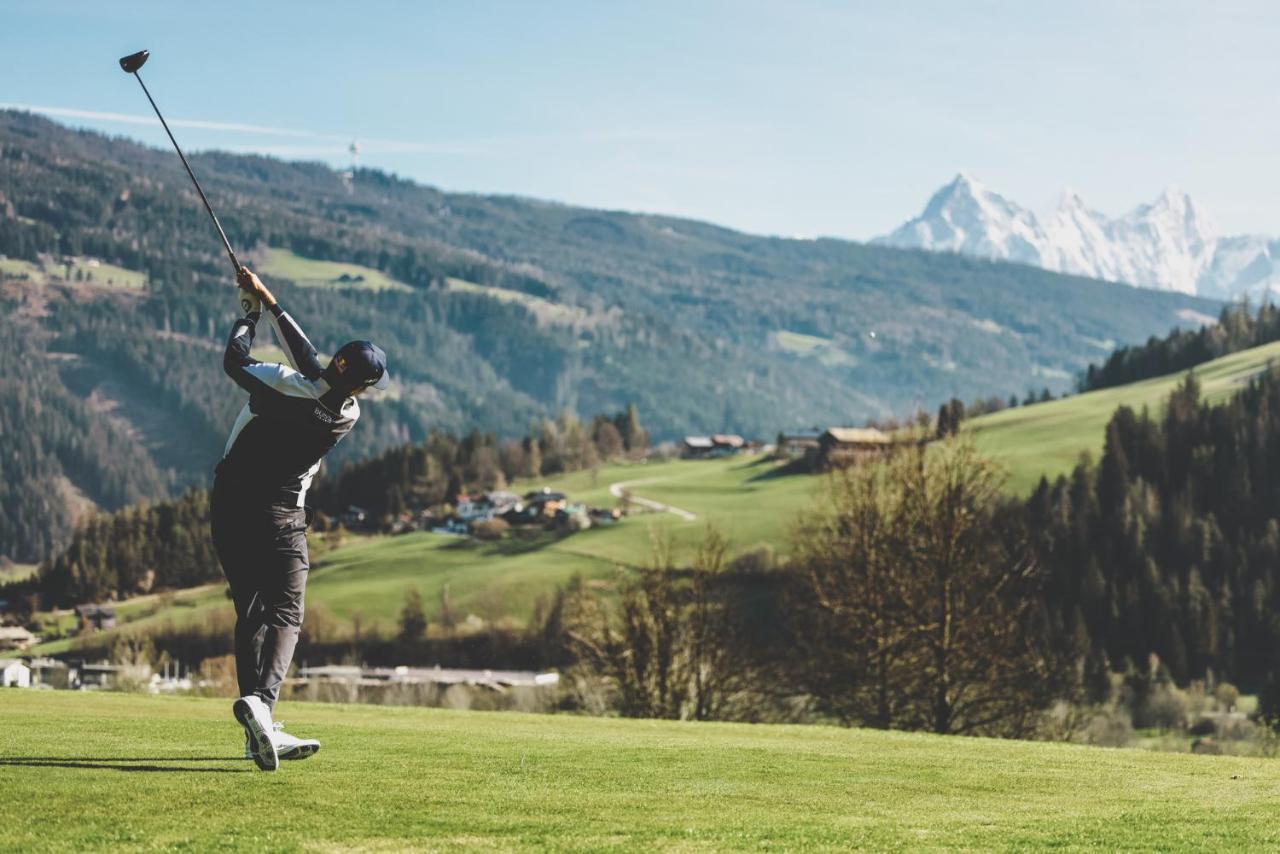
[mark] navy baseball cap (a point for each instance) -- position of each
(360, 363)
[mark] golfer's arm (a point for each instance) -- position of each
(297, 347)
(236, 360)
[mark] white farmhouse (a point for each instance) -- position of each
(14, 674)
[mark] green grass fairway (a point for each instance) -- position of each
(100, 772)
(1048, 438)
(309, 273)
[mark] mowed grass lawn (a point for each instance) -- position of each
(83, 771)
(1047, 438)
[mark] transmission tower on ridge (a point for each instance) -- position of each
(349, 176)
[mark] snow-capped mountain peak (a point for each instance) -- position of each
(961, 193)
(965, 216)
(1168, 244)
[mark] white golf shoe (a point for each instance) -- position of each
(255, 717)
(288, 747)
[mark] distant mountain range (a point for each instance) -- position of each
(1169, 244)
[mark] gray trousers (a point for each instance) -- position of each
(263, 551)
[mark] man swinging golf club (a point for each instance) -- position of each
(294, 416)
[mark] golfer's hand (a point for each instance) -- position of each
(248, 281)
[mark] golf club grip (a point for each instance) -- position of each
(208, 207)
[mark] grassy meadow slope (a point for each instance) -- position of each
(160, 773)
(494, 580)
(1048, 438)
(742, 497)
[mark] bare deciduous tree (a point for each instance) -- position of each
(666, 650)
(854, 640)
(918, 599)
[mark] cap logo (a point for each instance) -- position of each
(340, 363)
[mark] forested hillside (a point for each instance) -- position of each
(49, 435)
(1171, 542)
(1238, 328)
(505, 311)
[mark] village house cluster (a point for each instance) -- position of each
(543, 508)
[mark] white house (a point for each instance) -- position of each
(14, 674)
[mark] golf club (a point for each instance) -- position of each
(131, 64)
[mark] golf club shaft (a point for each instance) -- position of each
(227, 243)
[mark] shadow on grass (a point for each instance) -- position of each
(795, 468)
(507, 546)
(116, 763)
(756, 462)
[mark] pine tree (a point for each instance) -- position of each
(532, 458)
(634, 436)
(413, 619)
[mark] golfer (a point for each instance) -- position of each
(294, 416)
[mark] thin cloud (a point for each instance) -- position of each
(338, 142)
(132, 119)
(483, 147)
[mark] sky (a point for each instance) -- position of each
(795, 118)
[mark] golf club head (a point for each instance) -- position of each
(134, 61)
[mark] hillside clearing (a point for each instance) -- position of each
(545, 312)
(85, 771)
(813, 346)
(311, 273)
(73, 269)
(17, 571)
